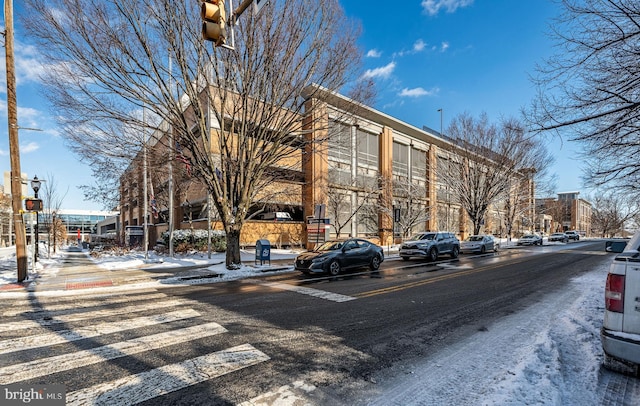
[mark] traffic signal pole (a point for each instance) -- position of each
(14, 151)
(214, 16)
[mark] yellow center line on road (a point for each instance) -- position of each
(409, 285)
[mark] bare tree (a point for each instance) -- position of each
(560, 211)
(611, 212)
(410, 198)
(52, 198)
(339, 202)
(236, 114)
(5, 220)
(488, 159)
(588, 91)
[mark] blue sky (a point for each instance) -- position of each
(456, 55)
(459, 56)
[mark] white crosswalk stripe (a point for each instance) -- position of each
(135, 389)
(49, 321)
(30, 307)
(65, 362)
(65, 336)
(170, 322)
(322, 294)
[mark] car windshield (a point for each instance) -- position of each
(424, 236)
(331, 246)
(475, 238)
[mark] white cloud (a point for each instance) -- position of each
(444, 46)
(416, 92)
(374, 53)
(419, 45)
(381, 72)
(433, 7)
(30, 147)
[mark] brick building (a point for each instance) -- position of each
(372, 166)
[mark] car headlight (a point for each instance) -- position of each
(423, 246)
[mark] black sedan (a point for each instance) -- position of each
(335, 256)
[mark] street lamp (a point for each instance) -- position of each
(35, 185)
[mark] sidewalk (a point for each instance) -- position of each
(78, 271)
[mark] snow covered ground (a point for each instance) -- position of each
(548, 354)
(48, 263)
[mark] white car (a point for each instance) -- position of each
(573, 235)
(530, 239)
(620, 332)
(562, 237)
(479, 244)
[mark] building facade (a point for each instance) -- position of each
(374, 176)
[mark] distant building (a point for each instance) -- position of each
(84, 220)
(566, 212)
(579, 217)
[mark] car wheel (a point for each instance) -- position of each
(405, 258)
(433, 254)
(334, 268)
(496, 248)
(375, 263)
(483, 249)
(455, 252)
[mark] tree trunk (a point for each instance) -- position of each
(233, 260)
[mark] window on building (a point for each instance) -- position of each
(400, 160)
(418, 166)
(367, 149)
(340, 153)
(367, 216)
(340, 142)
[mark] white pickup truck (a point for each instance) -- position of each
(620, 332)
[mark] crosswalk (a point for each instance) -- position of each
(32, 331)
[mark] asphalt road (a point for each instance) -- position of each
(288, 331)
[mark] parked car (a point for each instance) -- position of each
(479, 244)
(430, 245)
(530, 239)
(562, 237)
(334, 256)
(573, 235)
(616, 245)
(277, 216)
(620, 333)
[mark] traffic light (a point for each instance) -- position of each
(33, 204)
(214, 25)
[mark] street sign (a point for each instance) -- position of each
(33, 204)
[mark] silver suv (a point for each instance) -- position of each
(620, 332)
(430, 245)
(573, 235)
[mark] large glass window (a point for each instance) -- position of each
(418, 166)
(368, 215)
(340, 142)
(340, 153)
(400, 160)
(367, 149)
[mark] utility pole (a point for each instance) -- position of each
(14, 151)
